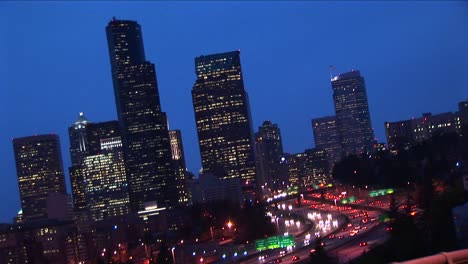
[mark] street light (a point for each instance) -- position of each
(211, 230)
(173, 255)
(229, 224)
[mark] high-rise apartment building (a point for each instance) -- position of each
(40, 173)
(269, 150)
(146, 143)
(223, 119)
(352, 113)
(178, 158)
(327, 138)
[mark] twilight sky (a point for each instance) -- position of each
(54, 63)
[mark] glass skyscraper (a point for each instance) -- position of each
(146, 143)
(352, 113)
(222, 116)
(40, 173)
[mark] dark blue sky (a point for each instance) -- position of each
(54, 63)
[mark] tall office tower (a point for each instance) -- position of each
(352, 113)
(103, 170)
(145, 134)
(78, 151)
(326, 137)
(223, 120)
(178, 158)
(269, 150)
(40, 173)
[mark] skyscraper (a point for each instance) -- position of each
(327, 138)
(40, 173)
(103, 169)
(269, 150)
(222, 115)
(145, 134)
(178, 157)
(78, 151)
(98, 177)
(352, 113)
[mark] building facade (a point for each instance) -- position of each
(352, 113)
(40, 173)
(178, 158)
(146, 142)
(269, 150)
(402, 134)
(103, 169)
(223, 118)
(327, 138)
(78, 151)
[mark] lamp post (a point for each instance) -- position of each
(173, 254)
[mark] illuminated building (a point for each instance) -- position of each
(402, 134)
(222, 116)
(352, 113)
(146, 143)
(43, 241)
(269, 150)
(103, 170)
(326, 137)
(40, 173)
(309, 167)
(78, 150)
(178, 159)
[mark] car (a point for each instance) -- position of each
(340, 237)
(331, 236)
(344, 229)
(295, 258)
(363, 244)
(389, 228)
(357, 227)
(262, 257)
(350, 225)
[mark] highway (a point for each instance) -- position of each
(345, 242)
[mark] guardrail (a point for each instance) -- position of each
(454, 257)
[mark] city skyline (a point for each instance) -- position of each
(302, 106)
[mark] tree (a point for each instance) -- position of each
(164, 256)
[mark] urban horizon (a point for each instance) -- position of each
(273, 118)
